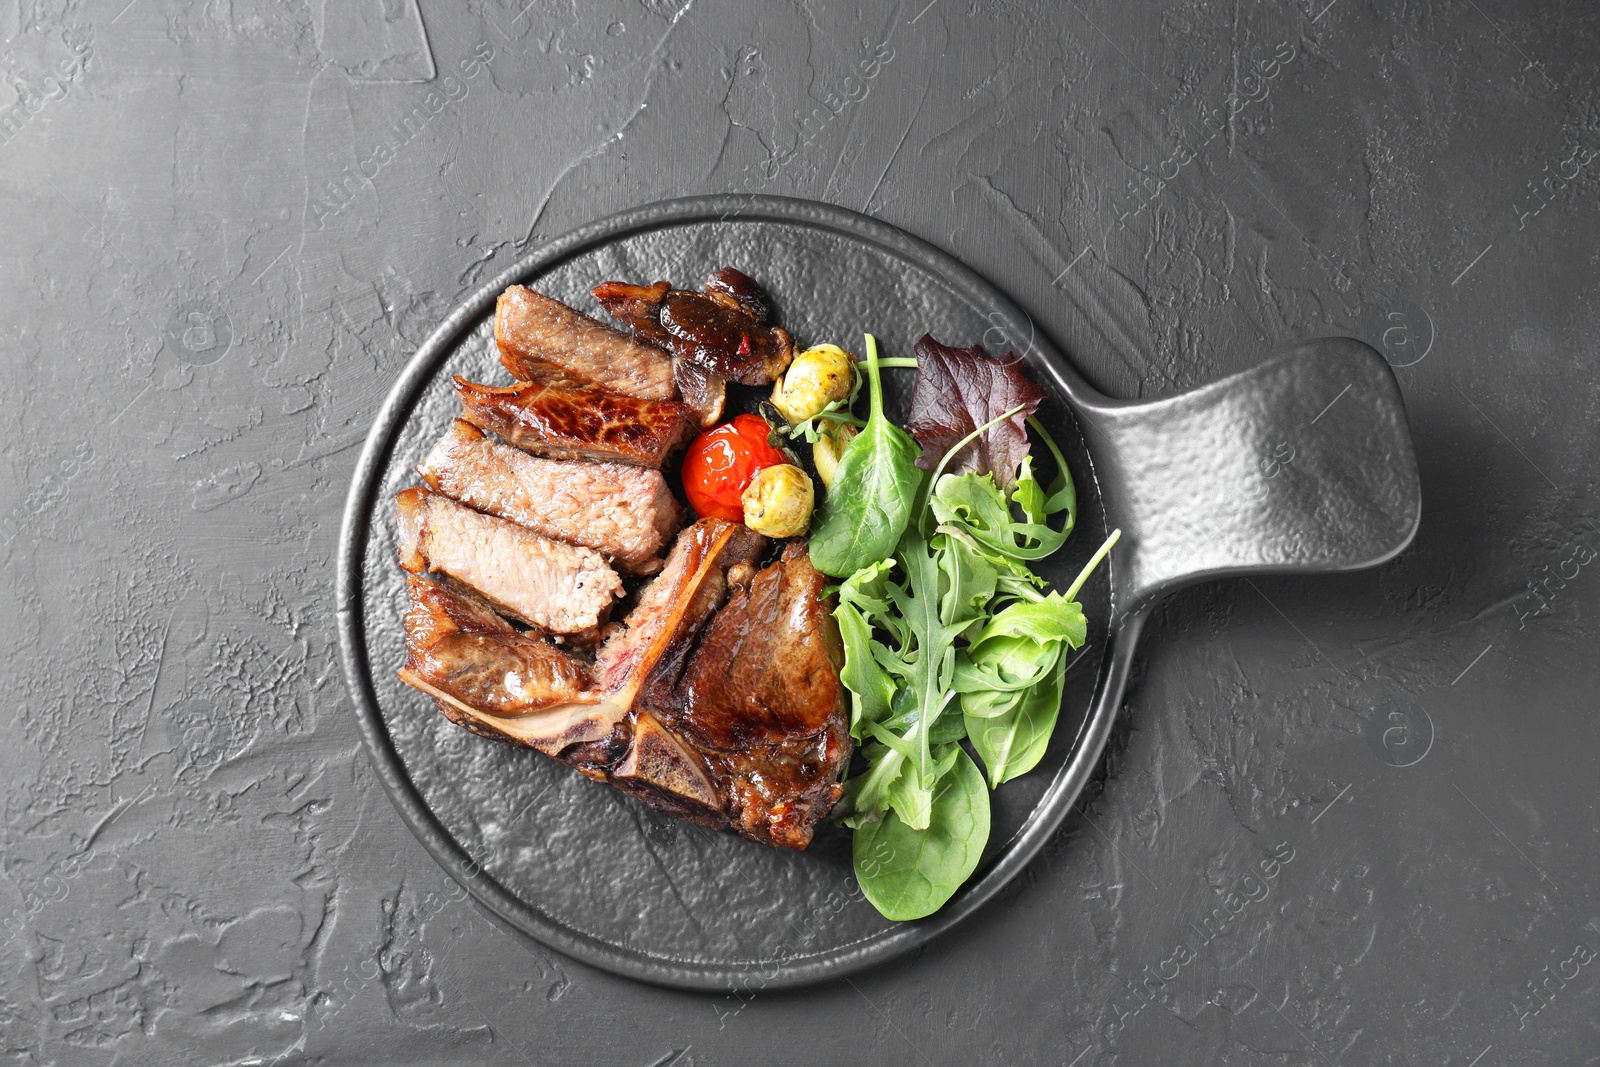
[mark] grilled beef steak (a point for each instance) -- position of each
(560, 588)
(719, 701)
(626, 512)
(723, 330)
(565, 423)
(462, 653)
(761, 700)
(703, 393)
(543, 340)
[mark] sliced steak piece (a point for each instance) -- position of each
(459, 651)
(659, 632)
(486, 677)
(626, 512)
(578, 423)
(560, 588)
(762, 702)
(543, 340)
(703, 393)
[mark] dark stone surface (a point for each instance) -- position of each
(229, 225)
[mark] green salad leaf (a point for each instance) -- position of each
(866, 510)
(909, 873)
(950, 639)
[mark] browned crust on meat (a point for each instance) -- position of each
(577, 423)
(761, 699)
(458, 646)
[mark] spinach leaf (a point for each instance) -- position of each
(867, 507)
(909, 873)
(1014, 741)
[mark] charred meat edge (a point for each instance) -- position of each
(456, 644)
(563, 423)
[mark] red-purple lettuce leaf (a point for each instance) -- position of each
(960, 389)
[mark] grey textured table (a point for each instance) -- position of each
(1346, 820)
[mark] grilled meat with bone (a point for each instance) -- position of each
(543, 340)
(560, 588)
(725, 717)
(577, 423)
(626, 512)
(760, 699)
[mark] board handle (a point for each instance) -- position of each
(1302, 464)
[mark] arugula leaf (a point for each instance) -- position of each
(1051, 618)
(975, 504)
(971, 581)
(867, 507)
(960, 389)
(909, 873)
(919, 604)
(871, 687)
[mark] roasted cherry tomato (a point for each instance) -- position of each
(721, 462)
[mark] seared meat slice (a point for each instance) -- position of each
(638, 307)
(761, 700)
(660, 631)
(722, 330)
(461, 653)
(486, 677)
(577, 423)
(561, 588)
(703, 393)
(543, 340)
(623, 511)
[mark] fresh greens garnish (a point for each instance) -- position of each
(910, 873)
(948, 635)
(862, 520)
